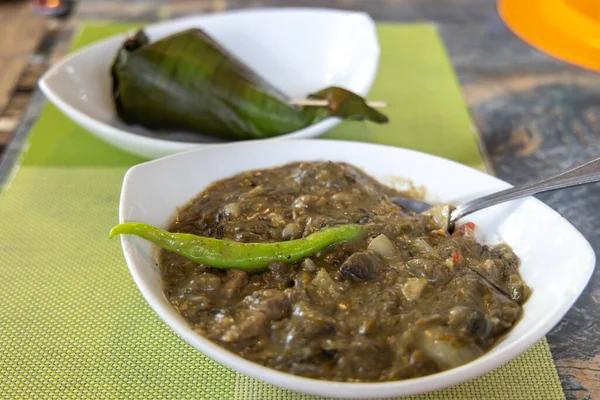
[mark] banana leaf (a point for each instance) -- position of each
(188, 82)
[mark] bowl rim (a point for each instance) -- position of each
(429, 383)
(172, 145)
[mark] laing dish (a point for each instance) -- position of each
(405, 299)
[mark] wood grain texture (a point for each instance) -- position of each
(536, 115)
(20, 33)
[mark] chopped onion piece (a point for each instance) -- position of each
(382, 246)
(413, 288)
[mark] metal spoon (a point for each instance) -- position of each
(581, 174)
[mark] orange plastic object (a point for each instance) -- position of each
(565, 29)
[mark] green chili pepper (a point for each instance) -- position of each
(228, 254)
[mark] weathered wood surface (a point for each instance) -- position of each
(20, 33)
(535, 114)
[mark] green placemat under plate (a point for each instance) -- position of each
(72, 322)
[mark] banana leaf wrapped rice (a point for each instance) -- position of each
(188, 82)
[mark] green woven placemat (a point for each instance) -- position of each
(72, 322)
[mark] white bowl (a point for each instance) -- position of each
(557, 261)
(298, 50)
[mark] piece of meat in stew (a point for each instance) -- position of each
(409, 299)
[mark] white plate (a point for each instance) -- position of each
(298, 50)
(557, 261)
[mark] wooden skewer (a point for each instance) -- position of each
(325, 103)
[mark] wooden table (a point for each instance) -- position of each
(536, 115)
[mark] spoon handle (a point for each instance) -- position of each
(581, 174)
